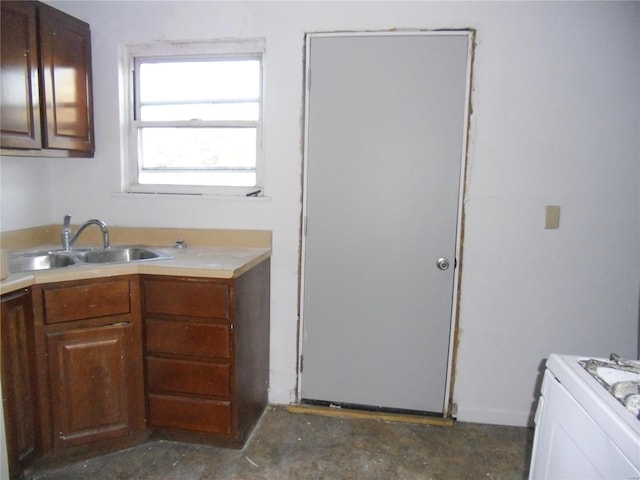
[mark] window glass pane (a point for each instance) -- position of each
(202, 111)
(198, 148)
(187, 82)
(226, 178)
(196, 119)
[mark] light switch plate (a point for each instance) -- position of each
(552, 217)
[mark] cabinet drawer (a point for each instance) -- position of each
(186, 298)
(187, 376)
(90, 300)
(196, 414)
(188, 338)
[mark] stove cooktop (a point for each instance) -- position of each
(621, 378)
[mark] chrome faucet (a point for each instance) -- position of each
(68, 239)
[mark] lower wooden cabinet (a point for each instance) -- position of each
(19, 387)
(89, 343)
(99, 364)
(207, 354)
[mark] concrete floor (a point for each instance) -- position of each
(307, 447)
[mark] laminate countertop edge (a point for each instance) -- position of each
(206, 262)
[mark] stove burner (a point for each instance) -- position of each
(619, 377)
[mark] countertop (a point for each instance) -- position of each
(199, 261)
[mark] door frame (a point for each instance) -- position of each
(448, 406)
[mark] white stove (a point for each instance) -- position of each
(586, 421)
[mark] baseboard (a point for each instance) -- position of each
(495, 416)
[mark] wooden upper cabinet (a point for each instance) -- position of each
(20, 100)
(65, 57)
(60, 104)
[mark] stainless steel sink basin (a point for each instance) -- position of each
(119, 255)
(39, 261)
(25, 262)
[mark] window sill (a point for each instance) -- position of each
(193, 196)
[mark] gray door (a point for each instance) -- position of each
(385, 131)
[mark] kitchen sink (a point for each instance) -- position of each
(119, 255)
(39, 261)
(26, 262)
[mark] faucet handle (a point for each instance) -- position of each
(67, 221)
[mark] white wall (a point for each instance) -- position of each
(556, 120)
(25, 193)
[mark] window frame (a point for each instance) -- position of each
(252, 49)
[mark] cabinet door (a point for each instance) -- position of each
(90, 383)
(19, 381)
(65, 56)
(19, 92)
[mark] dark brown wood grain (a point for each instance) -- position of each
(19, 385)
(47, 100)
(88, 336)
(65, 62)
(20, 101)
(88, 381)
(187, 297)
(190, 413)
(71, 302)
(252, 327)
(171, 375)
(185, 337)
(74, 352)
(195, 364)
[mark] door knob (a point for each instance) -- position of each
(442, 263)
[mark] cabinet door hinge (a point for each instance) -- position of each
(301, 363)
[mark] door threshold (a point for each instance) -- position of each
(370, 415)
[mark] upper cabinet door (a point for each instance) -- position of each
(19, 94)
(65, 55)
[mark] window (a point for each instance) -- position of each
(196, 118)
